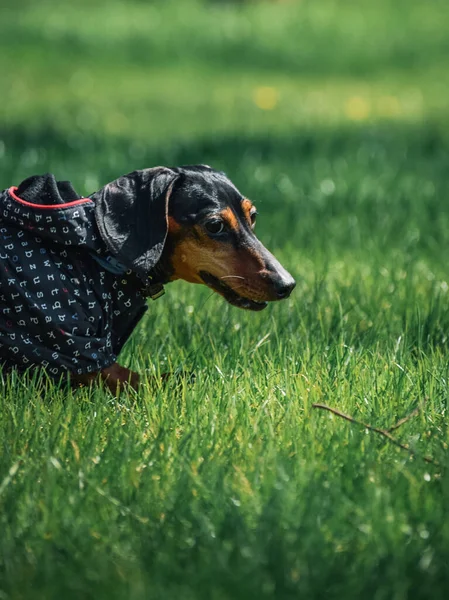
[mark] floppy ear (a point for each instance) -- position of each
(131, 214)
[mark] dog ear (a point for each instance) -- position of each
(131, 214)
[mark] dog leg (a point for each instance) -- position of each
(115, 377)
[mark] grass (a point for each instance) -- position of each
(333, 117)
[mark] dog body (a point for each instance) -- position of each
(60, 307)
(75, 272)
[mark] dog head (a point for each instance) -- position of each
(198, 226)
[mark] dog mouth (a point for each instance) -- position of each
(229, 294)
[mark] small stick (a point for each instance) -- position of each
(414, 412)
(376, 430)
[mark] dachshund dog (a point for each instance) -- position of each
(75, 272)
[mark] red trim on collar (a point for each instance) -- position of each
(46, 206)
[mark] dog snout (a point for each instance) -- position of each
(283, 286)
(279, 281)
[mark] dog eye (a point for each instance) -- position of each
(214, 227)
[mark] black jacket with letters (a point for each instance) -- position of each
(66, 303)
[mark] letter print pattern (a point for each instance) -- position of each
(59, 308)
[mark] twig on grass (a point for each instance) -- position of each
(414, 412)
(383, 432)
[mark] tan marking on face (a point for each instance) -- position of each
(173, 226)
(192, 255)
(229, 217)
(247, 207)
(240, 269)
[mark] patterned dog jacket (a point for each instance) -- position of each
(66, 304)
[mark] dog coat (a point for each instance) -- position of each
(66, 303)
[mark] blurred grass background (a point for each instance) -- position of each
(333, 117)
(156, 72)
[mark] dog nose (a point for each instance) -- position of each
(284, 287)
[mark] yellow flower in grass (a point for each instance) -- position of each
(357, 108)
(266, 98)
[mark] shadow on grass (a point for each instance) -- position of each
(342, 187)
(387, 147)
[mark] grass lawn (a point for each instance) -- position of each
(333, 117)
